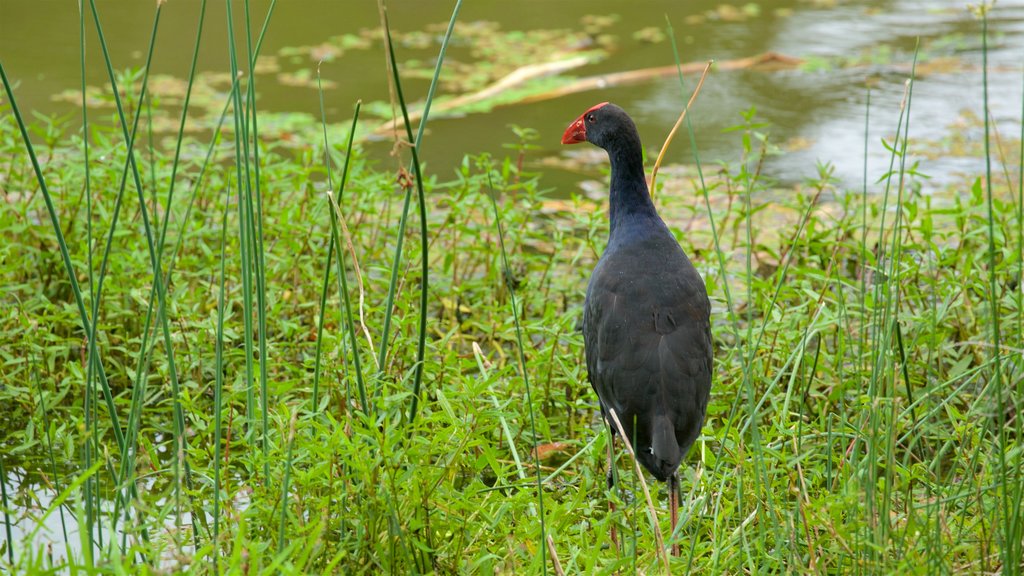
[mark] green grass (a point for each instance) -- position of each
(865, 414)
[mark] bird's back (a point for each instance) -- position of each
(648, 345)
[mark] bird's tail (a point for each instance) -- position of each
(664, 444)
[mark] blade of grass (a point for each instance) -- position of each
(723, 274)
(91, 389)
(285, 482)
(184, 115)
(138, 395)
(507, 274)
(218, 386)
(7, 514)
(336, 217)
(437, 73)
(242, 176)
(1010, 561)
(335, 240)
(420, 349)
(330, 248)
(152, 161)
(869, 420)
(245, 208)
(260, 260)
(424, 252)
(865, 251)
(554, 556)
(478, 354)
(179, 440)
(875, 422)
(143, 361)
(675, 127)
(315, 407)
(250, 227)
(198, 180)
(85, 151)
(97, 296)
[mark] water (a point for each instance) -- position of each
(817, 115)
(34, 519)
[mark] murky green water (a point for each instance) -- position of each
(817, 114)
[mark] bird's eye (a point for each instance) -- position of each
(590, 118)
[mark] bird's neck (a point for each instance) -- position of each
(629, 199)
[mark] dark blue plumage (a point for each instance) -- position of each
(646, 320)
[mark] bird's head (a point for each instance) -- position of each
(602, 125)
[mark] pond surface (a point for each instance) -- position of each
(816, 112)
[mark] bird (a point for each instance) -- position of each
(646, 317)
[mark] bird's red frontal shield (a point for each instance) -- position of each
(577, 131)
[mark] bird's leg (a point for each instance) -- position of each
(611, 484)
(673, 486)
(611, 460)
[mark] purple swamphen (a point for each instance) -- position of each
(646, 320)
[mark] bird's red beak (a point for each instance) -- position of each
(577, 131)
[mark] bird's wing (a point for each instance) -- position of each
(648, 343)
